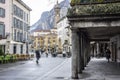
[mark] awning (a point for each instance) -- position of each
(4, 42)
(14, 42)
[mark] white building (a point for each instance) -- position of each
(63, 27)
(14, 26)
(63, 30)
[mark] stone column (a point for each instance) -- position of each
(80, 62)
(95, 49)
(92, 50)
(82, 51)
(98, 49)
(88, 51)
(75, 53)
(85, 53)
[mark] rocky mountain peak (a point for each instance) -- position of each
(46, 21)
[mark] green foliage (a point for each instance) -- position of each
(74, 2)
(96, 1)
(1, 52)
(109, 8)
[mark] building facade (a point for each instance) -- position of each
(64, 33)
(45, 40)
(63, 27)
(14, 25)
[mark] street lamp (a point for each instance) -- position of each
(8, 43)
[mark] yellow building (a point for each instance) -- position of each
(46, 40)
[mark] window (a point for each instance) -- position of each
(15, 35)
(2, 1)
(14, 22)
(21, 51)
(48, 40)
(21, 25)
(2, 12)
(18, 38)
(21, 37)
(27, 17)
(18, 12)
(25, 36)
(38, 38)
(14, 48)
(53, 40)
(2, 30)
(23, 15)
(14, 9)
(26, 27)
(17, 23)
(41, 38)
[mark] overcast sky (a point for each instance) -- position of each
(39, 6)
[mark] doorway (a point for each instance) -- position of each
(14, 49)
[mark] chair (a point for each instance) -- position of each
(14, 58)
(7, 58)
(17, 56)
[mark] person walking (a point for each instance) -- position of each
(46, 53)
(108, 54)
(37, 56)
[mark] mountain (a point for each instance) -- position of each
(46, 21)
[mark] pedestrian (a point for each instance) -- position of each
(46, 53)
(108, 53)
(37, 56)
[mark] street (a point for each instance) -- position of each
(59, 68)
(29, 70)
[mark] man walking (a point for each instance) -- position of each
(108, 54)
(37, 56)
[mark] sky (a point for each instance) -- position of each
(39, 6)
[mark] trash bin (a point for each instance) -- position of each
(64, 55)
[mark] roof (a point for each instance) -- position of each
(41, 30)
(4, 42)
(22, 3)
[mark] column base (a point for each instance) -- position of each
(80, 72)
(75, 77)
(83, 68)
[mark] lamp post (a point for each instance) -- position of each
(8, 43)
